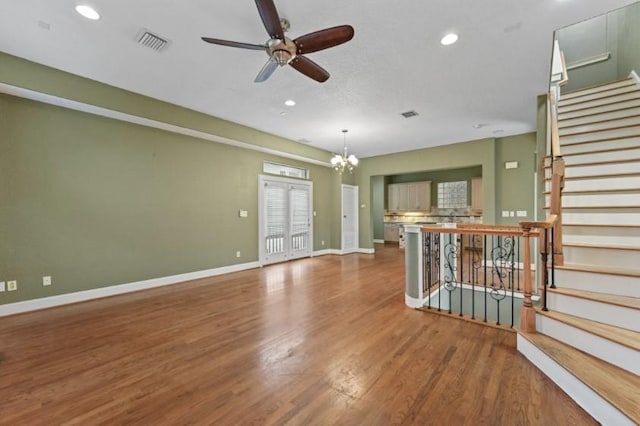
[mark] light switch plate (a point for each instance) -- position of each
(505, 213)
(2, 286)
(512, 213)
(521, 213)
(12, 285)
(243, 213)
(46, 281)
(511, 165)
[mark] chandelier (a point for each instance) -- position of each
(345, 161)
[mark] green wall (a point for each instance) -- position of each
(439, 176)
(502, 189)
(95, 202)
(629, 40)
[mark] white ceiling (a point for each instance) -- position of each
(394, 63)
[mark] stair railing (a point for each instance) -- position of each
(559, 77)
(481, 273)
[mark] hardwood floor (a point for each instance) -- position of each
(326, 340)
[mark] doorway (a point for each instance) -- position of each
(350, 235)
(285, 219)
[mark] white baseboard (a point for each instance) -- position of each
(378, 241)
(325, 252)
(114, 290)
(342, 253)
(366, 251)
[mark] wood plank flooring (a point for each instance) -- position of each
(325, 340)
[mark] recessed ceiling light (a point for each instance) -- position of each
(449, 39)
(290, 102)
(88, 12)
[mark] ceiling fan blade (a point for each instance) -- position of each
(310, 69)
(266, 71)
(270, 18)
(323, 39)
(234, 44)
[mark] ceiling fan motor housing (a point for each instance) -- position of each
(283, 51)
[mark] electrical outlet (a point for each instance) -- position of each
(12, 285)
(512, 213)
(322, 242)
(46, 281)
(505, 213)
(243, 213)
(2, 286)
(238, 253)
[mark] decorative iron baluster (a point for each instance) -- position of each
(450, 265)
(502, 259)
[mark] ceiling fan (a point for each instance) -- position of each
(283, 51)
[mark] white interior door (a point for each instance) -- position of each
(285, 219)
(349, 218)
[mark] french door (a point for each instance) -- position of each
(285, 219)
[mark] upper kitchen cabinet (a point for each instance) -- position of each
(476, 194)
(414, 196)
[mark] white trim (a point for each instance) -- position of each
(129, 118)
(377, 241)
(326, 252)
(97, 293)
(366, 251)
(412, 302)
(634, 75)
(584, 396)
(592, 60)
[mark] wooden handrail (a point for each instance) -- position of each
(485, 230)
(546, 224)
(565, 73)
(553, 123)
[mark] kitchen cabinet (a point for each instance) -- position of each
(413, 196)
(476, 194)
(391, 232)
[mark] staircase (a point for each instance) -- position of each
(588, 342)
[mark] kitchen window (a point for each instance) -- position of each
(452, 195)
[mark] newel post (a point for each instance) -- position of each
(413, 266)
(528, 314)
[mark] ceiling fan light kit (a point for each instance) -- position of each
(284, 51)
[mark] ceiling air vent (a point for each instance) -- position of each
(152, 41)
(409, 114)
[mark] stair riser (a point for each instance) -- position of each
(597, 102)
(600, 184)
(605, 116)
(601, 256)
(596, 127)
(601, 96)
(628, 82)
(596, 136)
(599, 283)
(597, 200)
(611, 352)
(584, 396)
(588, 112)
(593, 218)
(596, 311)
(601, 145)
(603, 169)
(608, 240)
(598, 157)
